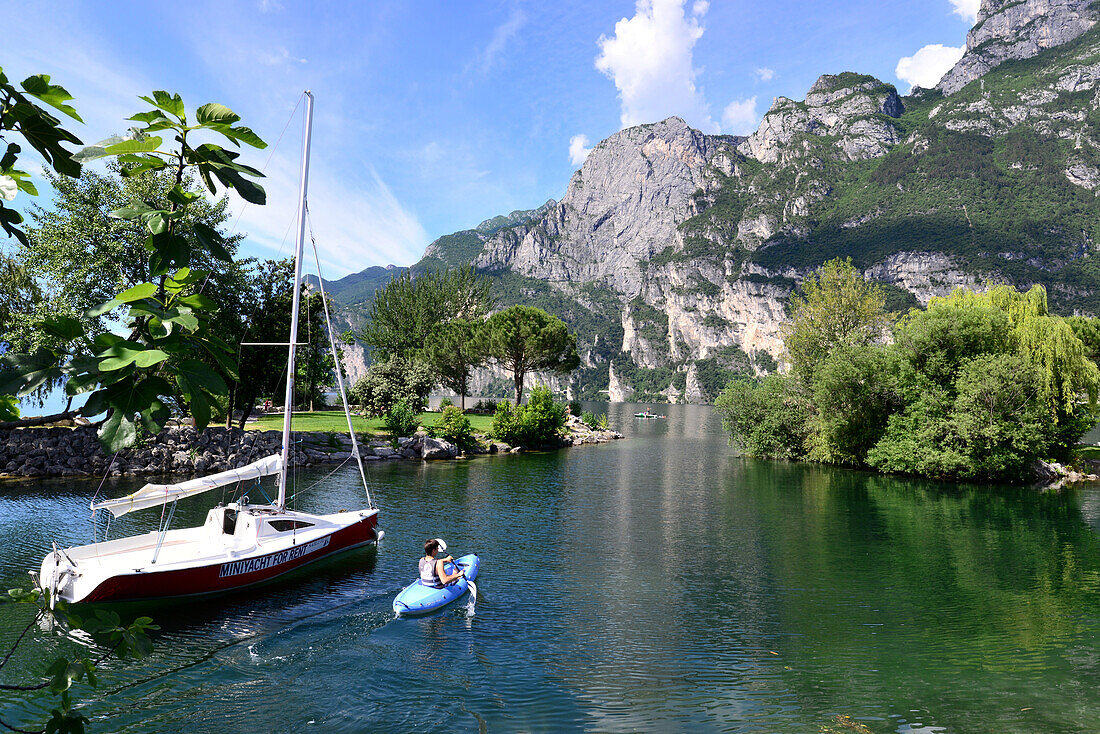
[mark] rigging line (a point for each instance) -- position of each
(263, 169)
(269, 157)
(337, 364)
(322, 479)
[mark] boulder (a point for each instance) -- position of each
(436, 448)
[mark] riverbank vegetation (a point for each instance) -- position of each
(977, 386)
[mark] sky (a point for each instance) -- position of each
(433, 116)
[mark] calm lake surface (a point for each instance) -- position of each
(656, 583)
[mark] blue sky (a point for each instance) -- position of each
(433, 116)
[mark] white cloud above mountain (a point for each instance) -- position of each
(763, 73)
(927, 66)
(739, 117)
(650, 60)
(579, 148)
(966, 9)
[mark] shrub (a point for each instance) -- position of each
(485, 406)
(401, 419)
(455, 427)
(592, 420)
(445, 403)
(534, 424)
(768, 419)
(575, 407)
(387, 383)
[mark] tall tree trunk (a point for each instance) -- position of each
(518, 378)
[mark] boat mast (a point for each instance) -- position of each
(288, 403)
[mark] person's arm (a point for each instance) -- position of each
(445, 577)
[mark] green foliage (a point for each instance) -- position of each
(171, 339)
(525, 339)
(390, 382)
(107, 633)
(535, 424)
(836, 308)
(936, 342)
(598, 422)
(854, 393)
(406, 312)
(977, 387)
(454, 426)
(769, 418)
(445, 402)
(38, 128)
(401, 419)
(9, 408)
(454, 349)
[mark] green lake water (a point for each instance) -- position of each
(660, 583)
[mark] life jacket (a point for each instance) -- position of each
(428, 576)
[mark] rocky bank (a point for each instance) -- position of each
(181, 450)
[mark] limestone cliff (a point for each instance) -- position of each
(1010, 29)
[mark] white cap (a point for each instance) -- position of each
(442, 544)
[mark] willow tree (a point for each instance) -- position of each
(1044, 340)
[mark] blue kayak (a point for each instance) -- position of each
(419, 598)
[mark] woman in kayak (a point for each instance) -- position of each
(432, 572)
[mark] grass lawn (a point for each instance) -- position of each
(333, 420)
(1091, 453)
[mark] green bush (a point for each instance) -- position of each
(401, 420)
(592, 420)
(537, 423)
(485, 406)
(445, 403)
(768, 418)
(387, 383)
(455, 427)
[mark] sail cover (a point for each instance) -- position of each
(155, 495)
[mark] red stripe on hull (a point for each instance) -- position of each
(209, 579)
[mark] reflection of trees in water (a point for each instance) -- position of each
(898, 593)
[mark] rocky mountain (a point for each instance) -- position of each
(673, 253)
(1010, 29)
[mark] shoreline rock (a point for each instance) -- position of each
(57, 451)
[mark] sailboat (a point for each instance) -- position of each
(241, 543)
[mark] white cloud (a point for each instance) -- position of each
(763, 73)
(579, 149)
(966, 9)
(278, 57)
(503, 33)
(357, 223)
(739, 117)
(700, 8)
(926, 67)
(650, 60)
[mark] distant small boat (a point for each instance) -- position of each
(419, 598)
(647, 414)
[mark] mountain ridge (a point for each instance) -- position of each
(672, 253)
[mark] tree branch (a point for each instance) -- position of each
(40, 420)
